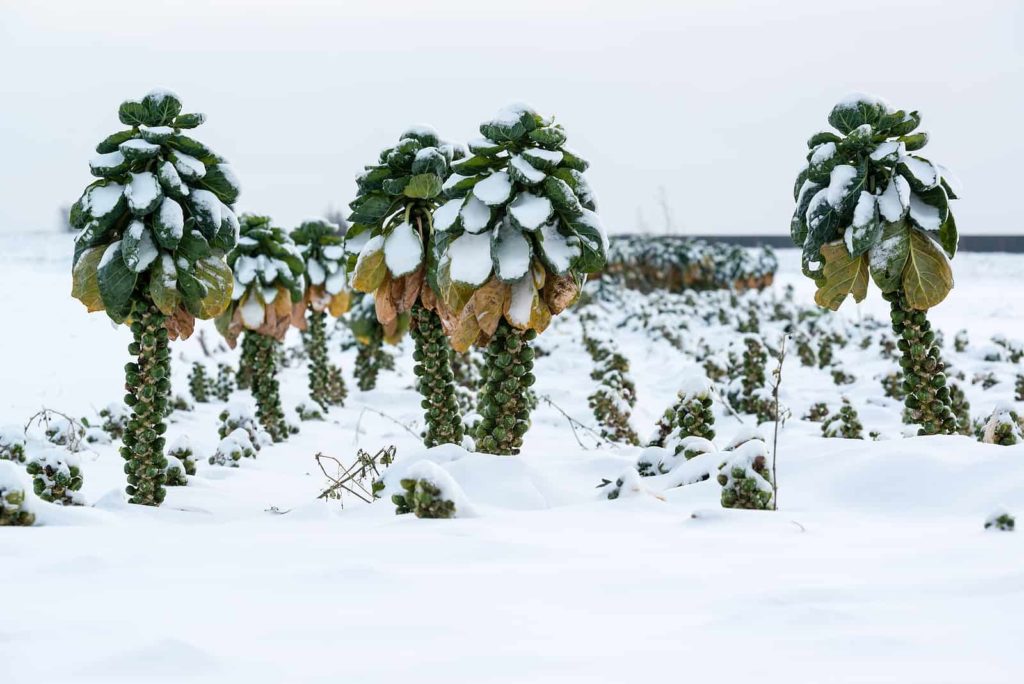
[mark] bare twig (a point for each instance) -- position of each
(776, 382)
(76, 429)
(573, 423)
(353, 474)
(391, 418)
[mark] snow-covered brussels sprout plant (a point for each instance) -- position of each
(513, 244)
(153, 232)
(268, 271)
(326, 291)
(391, 240)
(870, 207)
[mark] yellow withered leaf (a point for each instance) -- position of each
(842, 275)
(927, 277)
(84, 284)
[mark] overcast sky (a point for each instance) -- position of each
(711, 100)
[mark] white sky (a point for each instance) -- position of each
(710, 99)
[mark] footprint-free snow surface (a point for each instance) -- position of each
(875, 569)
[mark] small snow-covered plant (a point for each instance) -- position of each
(268, 271)
(961, 341)
(1004, 427)
(115, 417)
(679, 450)
(804, 351)
(869, 209)
(817, 413)
(13, 511)
(154, 229)
(1018, 388)
(56, 476)
(326, 292)
(691, 414)
(747, 393)
(986, 380)
(178, 402)
(614, 399)
(199, 383)
(424, 498)
(841, 377)
(392, 239)
(12, 444)
(1000, 520)
(308, 412)
(514, 243)
(370, 336)
(845, 423)
(745, 473)
(224, 385)
(238, 416)
(181, 461)
(825, 351)
(233, 448)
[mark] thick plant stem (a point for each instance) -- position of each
(927, 397)
(265, 387)
(147, 381)
(436, 381)
(243, 378)
(370, 358)
(503, 405)
(318, 366)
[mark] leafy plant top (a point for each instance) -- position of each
(518, 232)
(870, 206)
(268, 279)
(322, 247)
(158, 220)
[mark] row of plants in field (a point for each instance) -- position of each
(675, 263)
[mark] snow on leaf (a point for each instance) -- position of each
(188, 166)
(525, 171)
(893, 202)
(403, 250)
(101, 200)
(842, 179)
(475, 215)
(531, 211)
(445, 215)
(923, 214)
(494, 190)
(557, 250)
(510, 253)
(470, 258)
(252, 311)
(143, 193)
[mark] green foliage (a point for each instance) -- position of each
(960, 341)
(518, 232)
(422, 498)
(268, 271)
(243, 378)
(180, 462)
(845, 423)
(503, 403)
(435, 379)
(56, 477)
(157, 222)
(224, 385)
(1005, 427)
(319, 366)
(817, 413)
(866, 206)
(745, 475)
(1004, 522)
(615, 396)
(12, 507)
(12, 445)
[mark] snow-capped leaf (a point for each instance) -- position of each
(929, 209)
(370, 269)
(949, 237)
(894, 202)
(446, 216)
(220, 179)
(206, 209)
(143, 193)
(530, 211)
(888, 257)
(927, 278)
(523, 172)
(842, 275)
(138, 247)
(161, 107)
(171, 181)
(169, 224)
(403, 250)
(556, 250)
(855, 111)
(494, 190)
(163, 285)
(116, 282)
(476, 216)
(510, 253)
(562, 197)
(919, 172)
(470, 258)
(137, 150)
(798, 224)
(866, 226)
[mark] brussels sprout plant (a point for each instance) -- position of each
(870, 207)
(391, 238)
(325, 292)
(268, 283)
(153, 231)
(514, 242)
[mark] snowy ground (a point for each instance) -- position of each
(876, 568)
